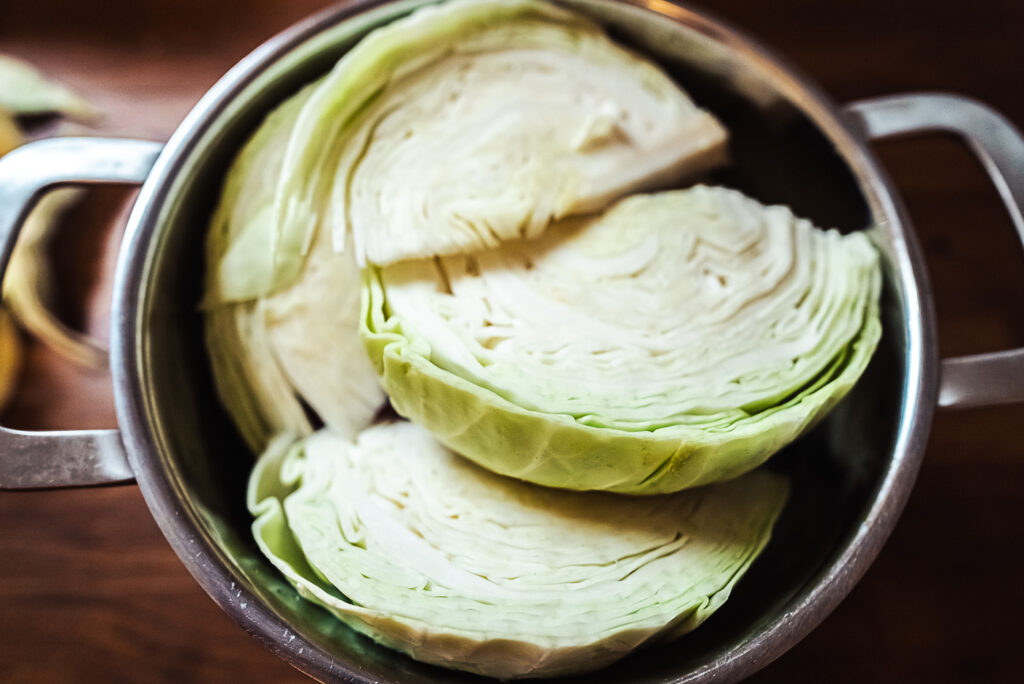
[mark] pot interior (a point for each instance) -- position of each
(194, 474)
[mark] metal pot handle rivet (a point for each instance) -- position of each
(978, 379)
(72, 458)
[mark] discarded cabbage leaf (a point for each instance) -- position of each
(678, 339)
(28, 287)
(431, 555)
(28, 284)
(24, 90)
(470, 123)
(270, 355)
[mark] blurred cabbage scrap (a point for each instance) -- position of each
(25, 91)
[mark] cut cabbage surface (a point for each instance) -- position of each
(434, 556)
(678, 339)
(473, 122)
(271, 355)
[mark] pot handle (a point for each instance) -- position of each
(978, 379)
(73, 458)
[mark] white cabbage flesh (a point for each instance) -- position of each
(432, 555)
(471, 123)
(684, 318)
(271, 354)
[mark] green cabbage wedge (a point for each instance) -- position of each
(429, 554)
(475, 122)
(271, 353)
(678, 339)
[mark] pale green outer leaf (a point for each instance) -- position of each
(239, 245)
(679, 339)
(24, 90)
(473, 122)
(248, 377)
(431, 555)
(270, 354)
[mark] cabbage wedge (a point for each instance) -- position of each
(273, 356)
(474, 122)
(431, 555)
(678, 339)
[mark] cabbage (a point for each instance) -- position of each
(453, 565)
(470, 123)
(471, 159)
(272, 354)
(678, 339)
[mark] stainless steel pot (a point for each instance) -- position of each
(791, 144)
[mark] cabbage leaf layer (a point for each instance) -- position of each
(272, 353)
(431, 555)
(678, 339)
(470, 123)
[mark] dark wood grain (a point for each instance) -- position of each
(90, 591)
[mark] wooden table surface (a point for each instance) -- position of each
(89, 589)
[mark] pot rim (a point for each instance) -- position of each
(207, 564)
